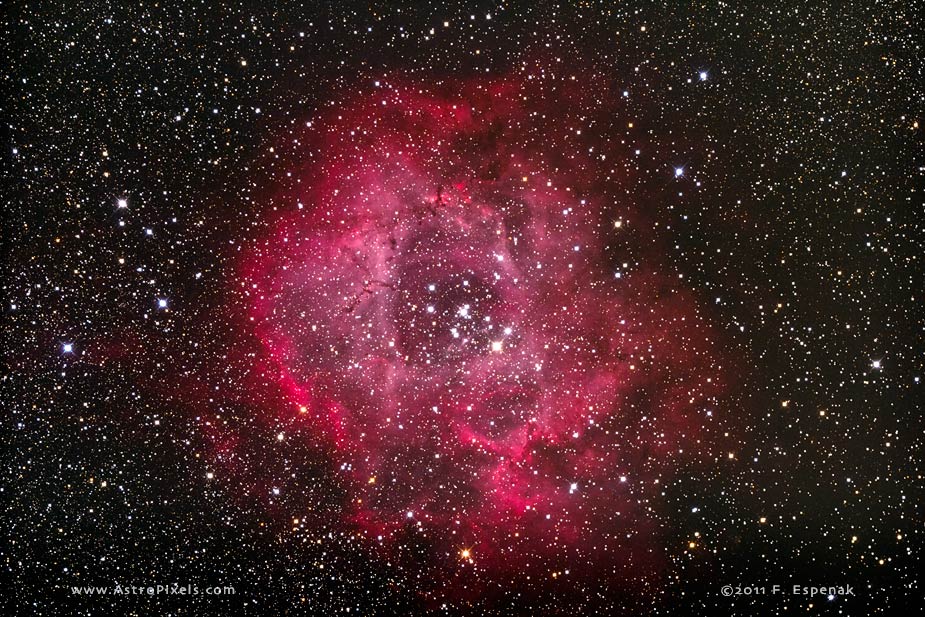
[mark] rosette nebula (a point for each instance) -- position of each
(465, 306)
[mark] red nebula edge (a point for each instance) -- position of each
(465, 306)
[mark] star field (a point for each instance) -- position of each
(459, 308)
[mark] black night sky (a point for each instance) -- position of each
(462, 308)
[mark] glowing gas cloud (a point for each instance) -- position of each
(467, 304)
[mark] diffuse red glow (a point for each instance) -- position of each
(465, 309)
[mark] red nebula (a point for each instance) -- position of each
(464, 303)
